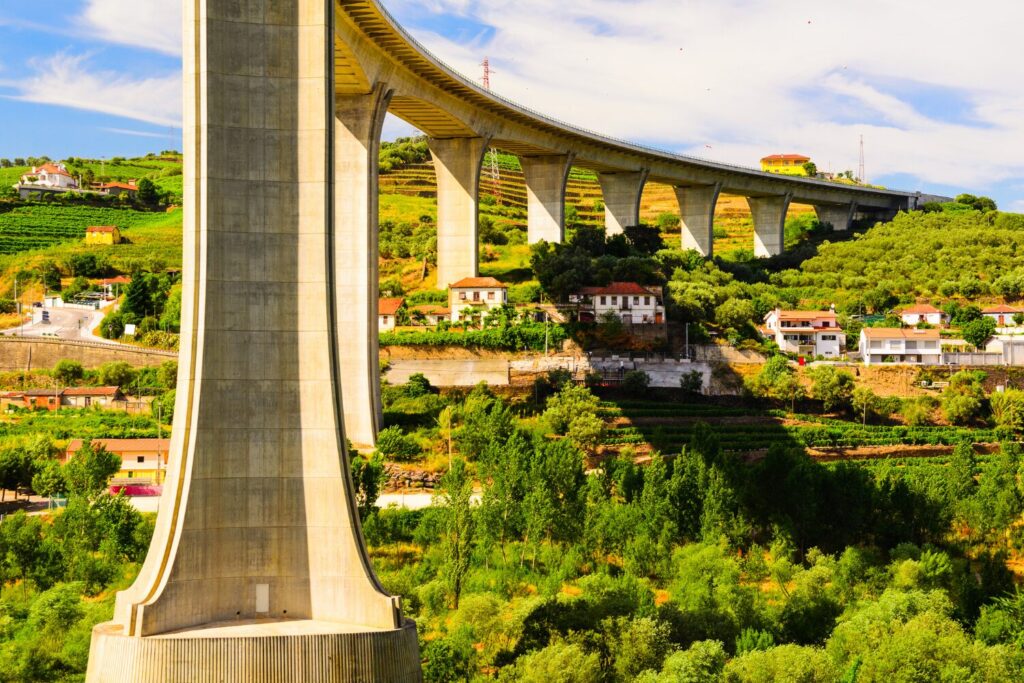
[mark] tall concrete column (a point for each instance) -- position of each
(697, 210)
(838, 216)
(358, 121)
(457, 163)
(769, 214)
(257, 569)
(622, 193)
(546, 178)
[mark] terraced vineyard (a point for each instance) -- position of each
(37, 226)
(759, 430)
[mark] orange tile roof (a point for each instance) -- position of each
(921, 308)
(389, 306)
(1001, 308)
(101, 228)
(897, 333)
(118, 186)
(785, 157)
(467, 282)
(432, 309)
(92, 391)
(805, 315)
(50, 168)
(626, 288)
(124, 445)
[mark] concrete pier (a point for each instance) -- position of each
(697, 210)
(769, 214)
(257, 569)
(457, 163)
(546, 178)
(358, 121)
(622, 193)
(839, 217)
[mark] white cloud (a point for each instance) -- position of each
(65, 80)
(151, 24)
(754, 77)
(138, 133)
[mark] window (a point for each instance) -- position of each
(615, 300)
(476, 296)
(490, 296)
(636, 300)
(828, 337)
(141, 458)
(825, 324)
(385, 319)
(462, 295)
(647, 301)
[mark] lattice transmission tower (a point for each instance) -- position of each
(860, 168)
(493, 169)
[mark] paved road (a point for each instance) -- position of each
(65, 323)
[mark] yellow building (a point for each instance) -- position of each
(102, 234)
(787, 164)
(143, 461)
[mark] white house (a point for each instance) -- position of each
(50, 175)
(633, 304)
(902, 346)
(922, 313)
(1002, 314)
(808, 333)
(482, 294)
(387, 313)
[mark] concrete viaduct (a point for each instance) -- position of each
(379, 68)
(257, 572)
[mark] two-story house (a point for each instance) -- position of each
(807, 333)
(900, 346)
(482, 294)
(630, 302)
(50, 175)
(922, 313)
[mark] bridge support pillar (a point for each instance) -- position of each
(358, 121)
(546, 178)
(622, 193)
(457, 163)
(839, 217)
(257, 570)
(769, 214)
(697, 210)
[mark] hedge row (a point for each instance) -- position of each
(527, 336)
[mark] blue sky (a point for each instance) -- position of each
(731, 80)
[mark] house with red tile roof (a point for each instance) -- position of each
(922, 313)
(387, 313)
(143, 461)
(1002, 314)
(50, 175)
(632, 303)
(480, 294)
(880, 345)
(807, 333)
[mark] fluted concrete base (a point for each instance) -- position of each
(264, 651)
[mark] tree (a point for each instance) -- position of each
(834, 388)
(394, 444)
(810, 168)
(735, 313)
(458, 528)
(167, 374)
(368, 477)
(978, 332)
(635, 382)
(89, 470)
(865, 401)
(49, 480)
(68, 371)
(117, 373)
(137, 297)
(112, 326)
(504, 472)
(147, 193)
(571, 402)
(691, 382)
(963, 401)
(1008, 409)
